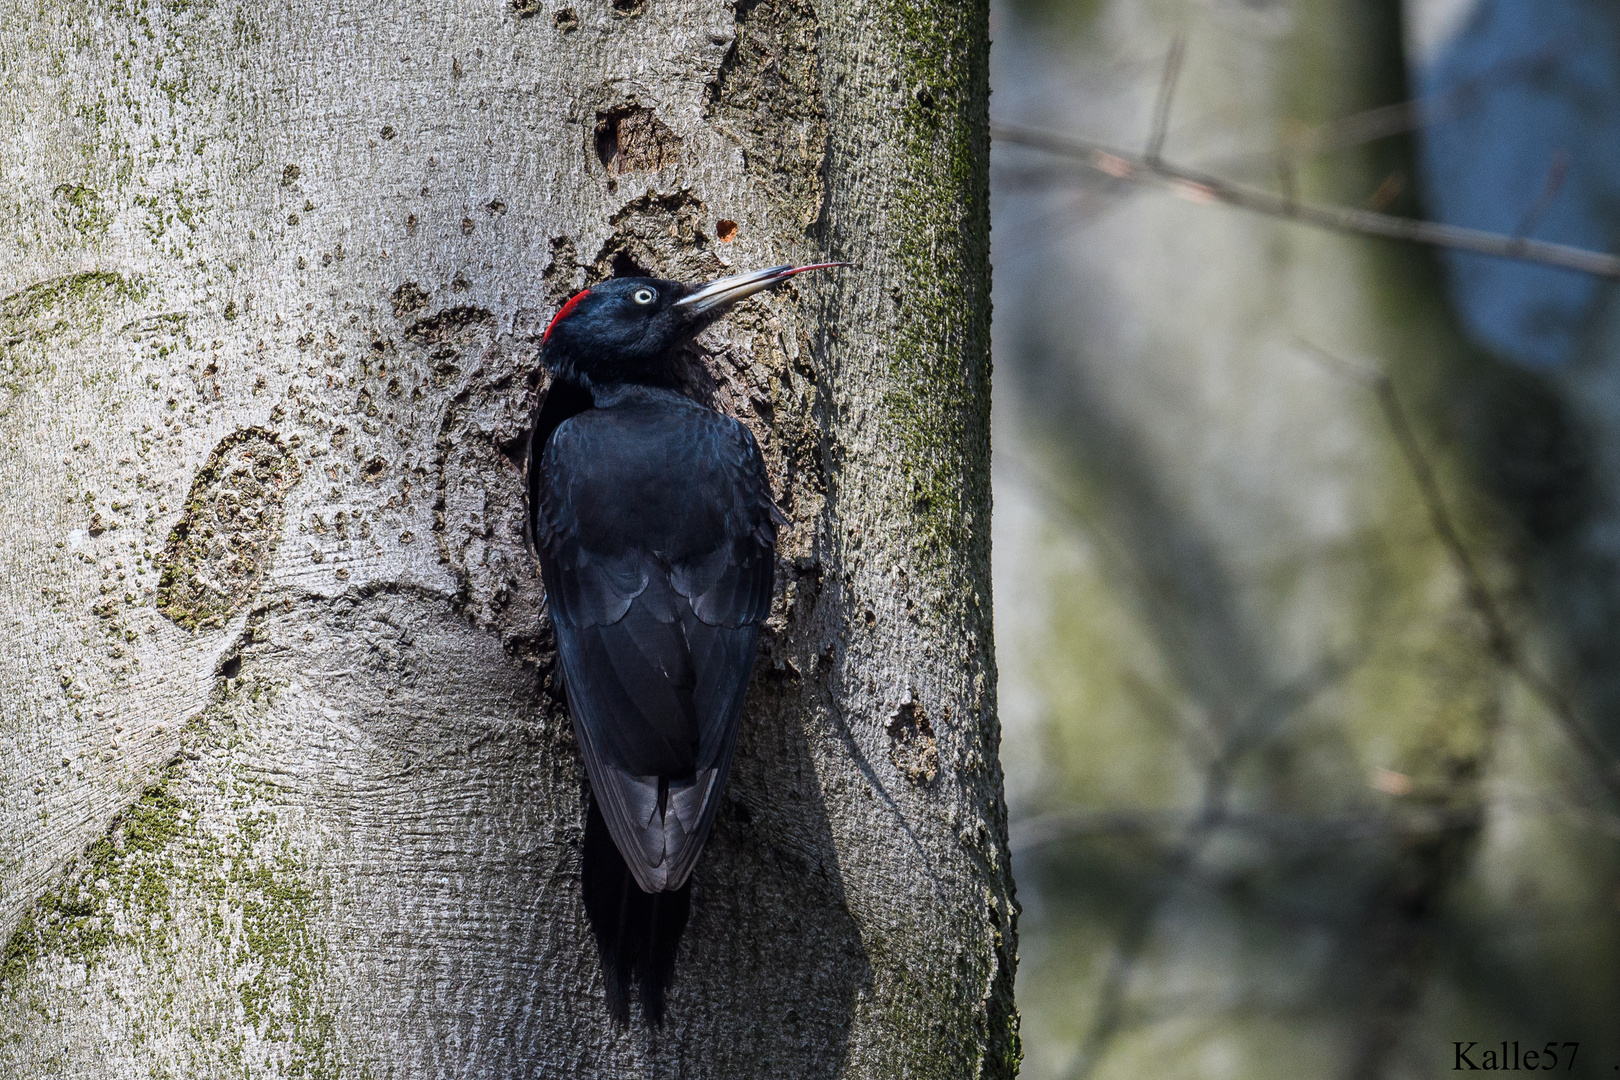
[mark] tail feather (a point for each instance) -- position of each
(637, 933)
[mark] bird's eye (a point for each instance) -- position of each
(643, 296)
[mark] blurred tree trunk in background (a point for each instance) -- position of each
(287, 785)
(1284, 802)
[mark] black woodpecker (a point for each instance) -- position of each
(653, 522)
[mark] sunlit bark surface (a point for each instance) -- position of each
(287, 784)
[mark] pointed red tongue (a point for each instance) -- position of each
(562, 313)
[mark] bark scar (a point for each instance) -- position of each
(218, 550)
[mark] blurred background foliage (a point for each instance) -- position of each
(1308, 545)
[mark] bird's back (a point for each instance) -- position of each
(654, 525)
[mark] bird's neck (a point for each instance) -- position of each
(614, 395)
(598, 373)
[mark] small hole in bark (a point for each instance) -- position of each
(407, 298)
(912, 745)
(737, 811)
(565, 20)
(725, 231)
(515, 450)
(625, 265)
(632, 139)
(607, 140)
(231, 668)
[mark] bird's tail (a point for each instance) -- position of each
(636, 932)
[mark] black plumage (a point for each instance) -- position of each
(652, 518)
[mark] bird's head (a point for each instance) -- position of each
(627, 329)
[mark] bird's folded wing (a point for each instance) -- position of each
(655, 708)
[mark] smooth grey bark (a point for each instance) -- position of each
(288, 786)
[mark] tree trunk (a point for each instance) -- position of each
(289, 786)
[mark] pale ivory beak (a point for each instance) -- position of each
(728, 290)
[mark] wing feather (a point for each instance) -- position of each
(656, 535)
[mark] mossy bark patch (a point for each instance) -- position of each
(44, 307)
(217, 553)
(81, 209)
(190, 866)
(75, 921)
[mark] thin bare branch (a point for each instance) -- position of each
(1499, 637)
(1167, 92)
(1362, 127)
(1289, 183)
(1202, 188)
